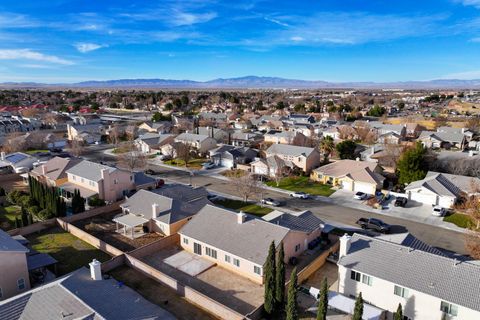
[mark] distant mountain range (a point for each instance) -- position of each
(253, 82)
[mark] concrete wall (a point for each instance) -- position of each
(36, 227)
(154, 247)
(113, 263)
(316, 264)
(193, 296)
(94, 212)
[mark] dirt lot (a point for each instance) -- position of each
(160, 295)
(328, 270)
(12, 181)
(104, 228)
(236, 292)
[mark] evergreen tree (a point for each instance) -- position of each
(280, 278)
(18, 223)
(291, 309)
(30, 219)
(412, 165)
(358, 311)
(323, 301)
(399, 314)
(269, 274)
(24, 217)
(78, 202)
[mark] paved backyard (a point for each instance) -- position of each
(234, 291)
(104, 228)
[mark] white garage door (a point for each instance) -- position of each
(227, 163)
(347, 185)
(423, 198)
(445, 202)
(364, 187)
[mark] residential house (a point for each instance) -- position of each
(400, 269)
(240, 242)
(284, 137)
(90, 178)
(331, 132)
(466, 132)
(53, 172)
(382, 128)
(229, 156)
(246, 139)
(164, 210)
(17, 162)
(151, 143)
(389, 138)
(413, 130)
(82, 294)
(201, 143)
(351, 175)
(214, 118)
(218, 134)
(160, 127)
(302, 157)
(444, 140)
(441, 188)
(86, 133)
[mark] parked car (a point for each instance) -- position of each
(165, 157)
(374, 224)
(151, 172)
(300, 195)
(360, 196)
(400, 202)
(438, 211)
(270, 202)
(208, 165)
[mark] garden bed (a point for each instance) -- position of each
(7, 217)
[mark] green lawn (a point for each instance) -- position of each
(459, 219)
(193, 163)
(8, 215)
(302, 184)
(70, 252)
(243, 206)
(36, 150)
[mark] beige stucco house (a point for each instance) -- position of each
(201, 143)
(352, 175)
(53, 172)
(240, 242)
(302, 157)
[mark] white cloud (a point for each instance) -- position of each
(187, 19)
(474, 3)
(466, 75)
(297, 38)
(27, 54)
(85, 47)
(276, 21)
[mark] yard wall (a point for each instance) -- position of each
(316, 264)
(97, 243)
(36, 227)
(113, 263)
(155, 246)
(94, 212)
(190, 294)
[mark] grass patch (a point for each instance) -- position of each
(460, 220)
(70, 252)
(303, 184)
(8, 215)
(193, 163)
(36, 150)
(246, 207)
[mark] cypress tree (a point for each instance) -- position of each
(358, 311)
(323, 301)
(291, 309)
(24, 217)
(269, 274)
(18, 223)
(399, 314)
(30, 218)
(280, 278)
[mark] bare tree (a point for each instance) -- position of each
(346, 132)
(365, 134)
(14, 142)
(472, 244)
(392, 153)
(246, 186)
(133, 159)
(473, 124)
(76, 148)
(184, 152)
(114, 135)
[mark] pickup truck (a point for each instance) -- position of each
(374, 224)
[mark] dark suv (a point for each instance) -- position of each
(400, 202)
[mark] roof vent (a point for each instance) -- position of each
(456, 262)
(431, 285)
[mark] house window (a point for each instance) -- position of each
(131, 178)
(74, 178)
(297, 247)
(185, 240)
(115, 181)
(366, 279)
(355, 275)
(227, 259)
(21, 284)
(197, 248)
(1, 293)
(400, 291)
(211, 252)
(449, 308)
(257, 270)
(92, 183)
(236, 262)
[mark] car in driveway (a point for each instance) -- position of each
(270, 202)
(208, 165)
(374, 224)
(438, 211)
(400, 202)
(360, 196)
(300, 195)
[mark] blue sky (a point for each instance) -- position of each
(333, 40)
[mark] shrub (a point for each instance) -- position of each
(33, 209)
(96, 202)
(2, 192)
(13, 196)
(44, 214)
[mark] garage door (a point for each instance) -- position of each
(364, 187)
(423, 198)
(445, 202)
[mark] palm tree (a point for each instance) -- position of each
(327, 146)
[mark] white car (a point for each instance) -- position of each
(438, 211)
(270, 202)
(300, 195)
(360, 196)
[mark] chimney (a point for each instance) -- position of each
(155, 210)
(344, 245)
(44, 169)
(2, 155)
(241, 217)
(104, 173)
(96, 270)
(357, 159)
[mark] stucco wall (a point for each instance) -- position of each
(13, 266)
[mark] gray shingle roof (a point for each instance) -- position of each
(89, 170)
(8, 244)
(435, 275)
(289, 150)
(192, 137)
(77, 296)
(305, 222)
(437, 183)
(56, 167)
(219, 228)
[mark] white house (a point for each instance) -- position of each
(399, 269)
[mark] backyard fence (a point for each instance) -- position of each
(155, 246)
